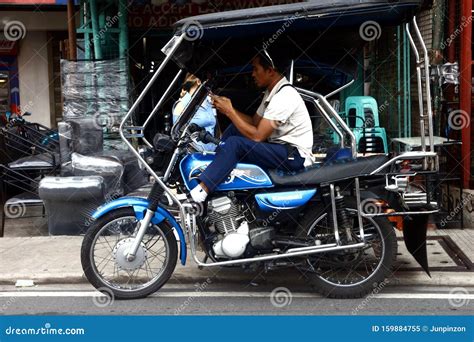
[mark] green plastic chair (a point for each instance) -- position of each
(362, 116)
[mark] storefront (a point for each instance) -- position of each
(9, 91)
(29, 58)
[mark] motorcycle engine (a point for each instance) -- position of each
(226, 218)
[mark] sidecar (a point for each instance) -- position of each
(322, 39)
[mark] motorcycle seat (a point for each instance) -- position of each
(328, 172)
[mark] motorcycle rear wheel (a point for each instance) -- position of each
(104, 249)
(349, 273)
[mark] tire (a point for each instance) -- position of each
(359, 289)
(125, 218)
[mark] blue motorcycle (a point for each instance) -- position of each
(329, 221)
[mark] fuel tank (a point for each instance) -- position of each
(244, 176)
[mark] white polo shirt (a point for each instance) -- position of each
(286, 108)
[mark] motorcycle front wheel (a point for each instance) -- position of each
(104, 255)
(350, 273)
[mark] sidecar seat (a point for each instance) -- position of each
(328, 172)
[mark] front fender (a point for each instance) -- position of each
(140, 206)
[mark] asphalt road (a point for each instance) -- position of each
(232, 299)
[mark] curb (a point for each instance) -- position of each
(408, 278)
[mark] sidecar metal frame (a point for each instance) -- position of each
(320, 12)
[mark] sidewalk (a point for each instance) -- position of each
(56, 260)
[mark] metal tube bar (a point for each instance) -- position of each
(316, 249)
(328, 119)
(173, 160)
(310, 248)
(132, 109)
(160, 103)
(408, 84)
(402, 213)
(406, 155)
(419, 88)
(163, 98)
(343, 125)
(152, 80)
(465, 92)
(339, 89)
(292, 70)
(399, 84)
(359, 210)
(427, 84)
(405, 107)
(335, 115)
(334, 214)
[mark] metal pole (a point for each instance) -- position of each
(132, 109)
(95, 29)
(405, 110)
(71, 28)
(408, 84)
(427, 84)
(159, 104)
(419, 88)
(123, 36)
(465, 89)
(399, 105)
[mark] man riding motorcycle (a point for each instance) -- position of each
(279, 136)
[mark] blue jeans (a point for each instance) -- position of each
(234, 148)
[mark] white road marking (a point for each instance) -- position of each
(236, 294)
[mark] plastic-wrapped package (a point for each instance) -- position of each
(70, 201)
(97, 90)
(108, 168)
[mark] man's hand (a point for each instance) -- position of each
(223, 105)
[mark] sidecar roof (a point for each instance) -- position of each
(309, 14)
(326, 32)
